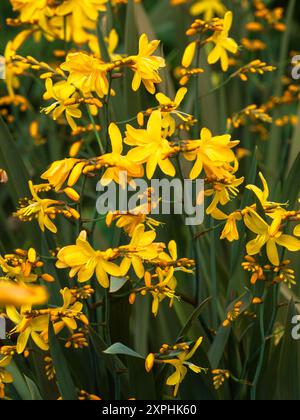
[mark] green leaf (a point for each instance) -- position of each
(115, 367)
(11, 161)
(102, 44)
(119, 348)
(217, 349)
(34, 391)
(116, 284)
(64, 379)
(142, 383)
(288, 365)
(132, 99)
(18, 176)
(291, 187)
(19, 383)
(194, 317)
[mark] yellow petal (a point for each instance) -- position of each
(289, 242)
(297, 230)
(189, 54)
(23, 340)
(116, 138)
(272, 252)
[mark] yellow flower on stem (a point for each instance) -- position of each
(165, 287)
(120, 168)
(61, 170)
(81, 16)
(85, 262)
(230, 231)
(151, 146)
(40, 209)
(129, 221)
(139, 215)
(208, 8)
(87, 73)
(63, 93)
(66, 315)
(14, 68)
(145, 65)
(274, 210)
(181, 364)
(223, 191)
(141, 248)
(270, 236)
(211, 153)
(170, 107)
(223, 44)
(28, 327)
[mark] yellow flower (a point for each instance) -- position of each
(81, 16)
(19, 294)
(66, 314)
(145, 65)
(19, 266)
(61, 170)
(118, 164)
(28, 327)
(223, 191)
(87, 73)
(209, 8)
(181, 364)
(169, 107)
(13, 69)
(230, 231)
(130, 221)
(211, 153)
(223, 44)
(269, 235)
(40, 209)
(29, 10)
(44, 210)
(63, 93)
(85, 262)
(273, 209)
(141, 248)
(151, 146)
(165, 287)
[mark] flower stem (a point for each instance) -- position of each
(95, 131)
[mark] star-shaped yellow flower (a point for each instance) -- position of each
(151, 147)
(223, 44)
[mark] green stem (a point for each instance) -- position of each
(80, 206)
(195, 243)
(274, 149)
(213, 273)
(107, 318)
(197, 93)
(262, 350)
(96, 131)
(107, 121)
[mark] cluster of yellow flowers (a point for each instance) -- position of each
(267, 220)
(79, 89)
